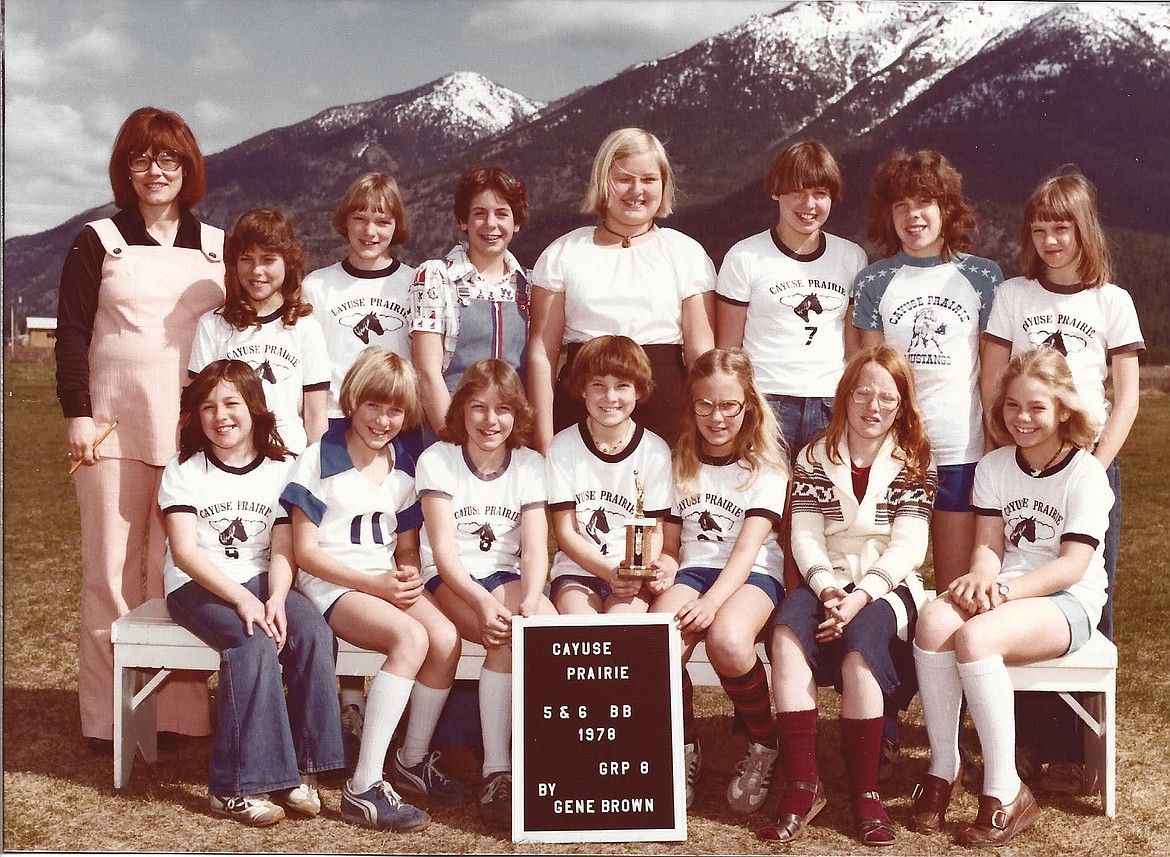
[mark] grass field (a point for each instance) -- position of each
(57, 796)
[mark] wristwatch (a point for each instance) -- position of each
(1004, 591)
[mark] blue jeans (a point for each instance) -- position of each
(263, 741)
(1112, 543)
(801, 419)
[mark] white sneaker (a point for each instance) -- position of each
(304, 799)
(748, 791)
(693, 765)
(254, 811)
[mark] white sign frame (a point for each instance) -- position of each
(676, 833)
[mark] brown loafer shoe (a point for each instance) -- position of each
(997, 823)
(789, 826)
(931, 797)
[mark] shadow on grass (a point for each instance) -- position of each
(42, 735)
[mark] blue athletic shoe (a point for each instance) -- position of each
(380, 808)
(426, 781)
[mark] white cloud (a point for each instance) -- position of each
(98, 49)
(26, 61)
(55, 164)
(530, 21)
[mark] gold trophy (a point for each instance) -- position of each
(636, 565)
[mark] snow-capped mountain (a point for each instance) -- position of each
(1009, 91)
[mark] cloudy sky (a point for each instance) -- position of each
(74, 69)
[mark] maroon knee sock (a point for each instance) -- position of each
(749, 694)
(690, 730)
(863, 747)
(797, 731)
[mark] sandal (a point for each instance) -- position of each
(789, 826)
(875, 830)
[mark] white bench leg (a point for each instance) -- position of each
(125, 743)
(1109, 786)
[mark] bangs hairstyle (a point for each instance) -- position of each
(150, 127)
(382, 376)
(243, 377)
(377, 192)
(924, 175)
(269, 231)
(803, 166)
(614, 355)
(620, 144)
(759, 443)
(478, 179)
(909, 431)
(1070, 197)
(1048, 366)
(476, 380)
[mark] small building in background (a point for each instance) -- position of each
(42, 332)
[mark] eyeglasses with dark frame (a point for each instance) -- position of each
(865, 395)
(167, 161)
(705, 407)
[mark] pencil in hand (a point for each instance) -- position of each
(96, 444)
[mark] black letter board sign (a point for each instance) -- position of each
(597, 729)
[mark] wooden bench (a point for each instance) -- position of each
(148, 646)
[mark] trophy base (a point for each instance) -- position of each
(636, 572)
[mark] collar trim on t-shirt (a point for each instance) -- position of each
(380, 273)
(799, 257)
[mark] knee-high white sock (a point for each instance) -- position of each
(495, 718)
(992, 704)
(942, 696)
(384, 706)
(426, 704)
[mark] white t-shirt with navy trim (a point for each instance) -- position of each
(797, 306)
(1087, 326)
(358, 522)
(633, 291)
(599, 488)
(357, 309)
(1068, 501)
(712, 515)
(291, 361)
(487, 509)
(933, 312)
(235, 510)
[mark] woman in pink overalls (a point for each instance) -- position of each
(132, 289)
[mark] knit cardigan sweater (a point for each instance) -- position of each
(875, 543)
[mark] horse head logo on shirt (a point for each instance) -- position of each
(805, 305)
(1064, 341)
(265, 373)
(927, 330)
(598, 523)
(486, 536)
(710, 528)
(233, 531)
(1029, 529)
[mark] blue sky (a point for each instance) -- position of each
(74, 69)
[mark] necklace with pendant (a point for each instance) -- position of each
(1051, 461)
(609, 448)
(626, 239)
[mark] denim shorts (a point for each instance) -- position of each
(954, 488)
(491, 583)
(701, 579)
(873, 634)
(1078, 620)
(589, 581)
(801, 418)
